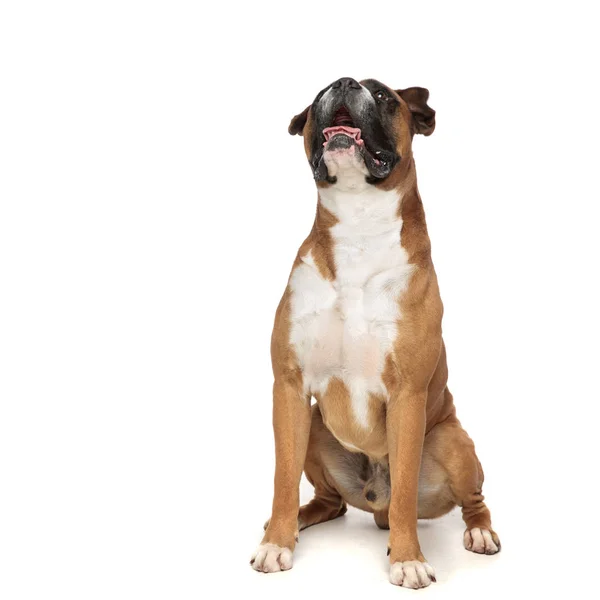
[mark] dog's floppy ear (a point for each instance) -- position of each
(298, 122)
(423, 116)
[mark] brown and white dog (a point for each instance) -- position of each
(359, 328)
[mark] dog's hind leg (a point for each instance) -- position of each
(451, 474)
(320, 509)
(328, 502)
(382, 518)
(325, 506)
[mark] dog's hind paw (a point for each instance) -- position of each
(481, 541)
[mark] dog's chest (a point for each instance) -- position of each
(344, 329)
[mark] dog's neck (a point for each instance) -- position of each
(367, 211)
(358, 210)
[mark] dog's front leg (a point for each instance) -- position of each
(406, 432)
(291, 424)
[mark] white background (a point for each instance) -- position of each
(152, 204)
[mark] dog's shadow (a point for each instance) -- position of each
(356, 537)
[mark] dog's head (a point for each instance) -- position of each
(362, 129)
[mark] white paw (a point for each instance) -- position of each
(270, 558)
(412, 574)
(481, 541)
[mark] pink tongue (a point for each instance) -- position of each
(352, 132)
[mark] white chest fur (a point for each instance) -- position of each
(345, 328)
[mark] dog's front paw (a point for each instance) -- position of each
(481, 541)
(270, 558)
(412, 574)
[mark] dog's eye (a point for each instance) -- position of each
(380, 95)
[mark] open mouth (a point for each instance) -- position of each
(352, 132)
(342, 135)
(344, 125)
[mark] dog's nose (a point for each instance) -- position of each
(346, 83)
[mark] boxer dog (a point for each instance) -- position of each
(359, 328)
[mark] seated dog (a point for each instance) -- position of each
(359, 328)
